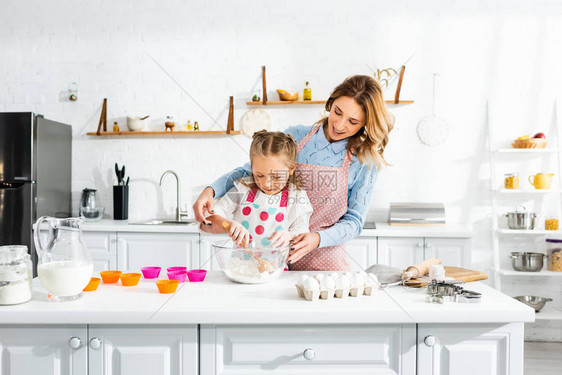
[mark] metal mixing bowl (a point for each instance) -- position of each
(535, 302)
(527, 261)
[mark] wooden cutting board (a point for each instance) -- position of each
(461, 274)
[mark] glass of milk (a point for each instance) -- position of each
(65, 266)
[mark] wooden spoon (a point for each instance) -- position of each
(145, 117)
(263, 265)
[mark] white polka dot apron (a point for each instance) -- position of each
(264, 217)
(327, 190)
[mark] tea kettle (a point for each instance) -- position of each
(88, 199)
(89, 206)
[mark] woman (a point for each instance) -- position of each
(338, 161)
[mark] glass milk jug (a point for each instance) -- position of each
(64, 264)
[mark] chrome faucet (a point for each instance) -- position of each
(180, 215)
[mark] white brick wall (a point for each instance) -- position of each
(507, 50)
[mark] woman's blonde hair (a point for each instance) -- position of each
(367, 144)
(268, 144)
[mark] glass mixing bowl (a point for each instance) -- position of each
(252, 265)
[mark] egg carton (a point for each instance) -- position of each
(327, 294)
(313, 295)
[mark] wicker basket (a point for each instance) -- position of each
(529, 143)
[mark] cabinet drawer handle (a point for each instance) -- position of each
(95, 343)
(309, 354)
(429, 341)
(74, 342)
(429, 244)
(420, 244)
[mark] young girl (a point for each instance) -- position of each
(268, 207)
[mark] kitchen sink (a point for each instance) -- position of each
(369, 225)
(165, 222)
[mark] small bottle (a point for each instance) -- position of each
(196, 126)
(307, 92)
(189, 127)
(115, 127)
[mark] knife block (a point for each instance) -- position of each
(121, 202)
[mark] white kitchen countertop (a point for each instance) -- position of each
(219, 301)
(383, 229)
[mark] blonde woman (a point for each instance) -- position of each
(338, 161)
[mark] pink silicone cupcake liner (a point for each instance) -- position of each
(150, 272)
(177, 275)
(196, 276)
(170, 269)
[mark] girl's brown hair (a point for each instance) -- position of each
(267, 144)
(367, 144)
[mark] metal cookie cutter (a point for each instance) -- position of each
(440, 291)
(468, 296)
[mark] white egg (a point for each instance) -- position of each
(311, 284)
(302, 279)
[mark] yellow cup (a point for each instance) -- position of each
(541, 180)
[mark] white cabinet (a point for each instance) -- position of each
(453, 251)
(102, 247)
(116, 350)
(361, 252)
(446, 349)
(40, 350)
(334, 349)
(402, 252)
(399, 252)
(136, 250)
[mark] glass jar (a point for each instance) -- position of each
(511, 181)
(554, 253)
(551, 222)
(16, 273)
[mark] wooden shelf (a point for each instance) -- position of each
(142, 133)
(288, 102)
(308, 102)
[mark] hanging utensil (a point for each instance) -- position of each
(432, 130)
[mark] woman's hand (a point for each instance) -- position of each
(303, 244)
(204, 202)
(281, 238)
(239, 234)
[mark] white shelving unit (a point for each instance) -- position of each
(501, 234)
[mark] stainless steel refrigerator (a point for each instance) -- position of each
(35, 169)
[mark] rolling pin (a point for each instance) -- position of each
(420, 269)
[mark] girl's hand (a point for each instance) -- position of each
(239, 234)
(303, 244)
(281, 238)
(205, 202)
